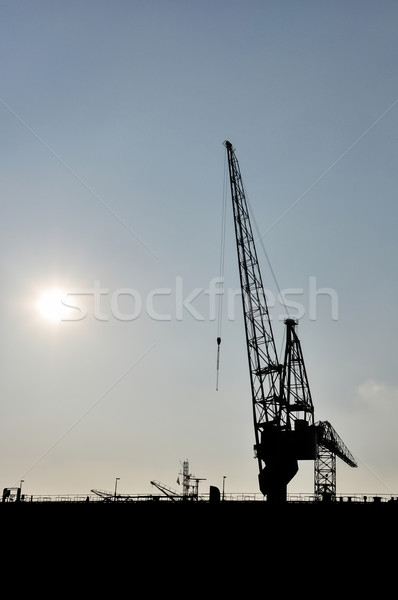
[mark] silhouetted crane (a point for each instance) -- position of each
(283, 421)
(167, 491)
(329, 446)
(283, 411)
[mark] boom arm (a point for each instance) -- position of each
(264, 368)
(167, 491)
(329, 438)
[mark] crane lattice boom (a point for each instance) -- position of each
(264, 367)
(329, 439)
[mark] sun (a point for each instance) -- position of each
(50, 305)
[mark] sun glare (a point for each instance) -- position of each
(50, 305)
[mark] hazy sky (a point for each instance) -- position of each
(113, 117)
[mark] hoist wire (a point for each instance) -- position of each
(221, 269)
(222, 250)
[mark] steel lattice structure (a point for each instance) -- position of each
(283, 410)
(264, 366)
(325, 474)
(282, 405)
(296, 388)
(329, 445)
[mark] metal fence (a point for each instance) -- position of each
(230, 497)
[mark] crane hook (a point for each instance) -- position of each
(218, 359)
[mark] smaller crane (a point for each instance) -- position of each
(329, 446)
(172, 494)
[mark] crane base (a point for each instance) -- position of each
(275, 476)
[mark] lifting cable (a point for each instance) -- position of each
(221, 271)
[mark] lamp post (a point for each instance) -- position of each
(19, 494)
(223, 486)
(116, 480)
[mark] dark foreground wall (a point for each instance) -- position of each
(239, 549)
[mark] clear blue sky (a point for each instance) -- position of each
(112, 120)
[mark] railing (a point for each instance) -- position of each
(230, 497)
